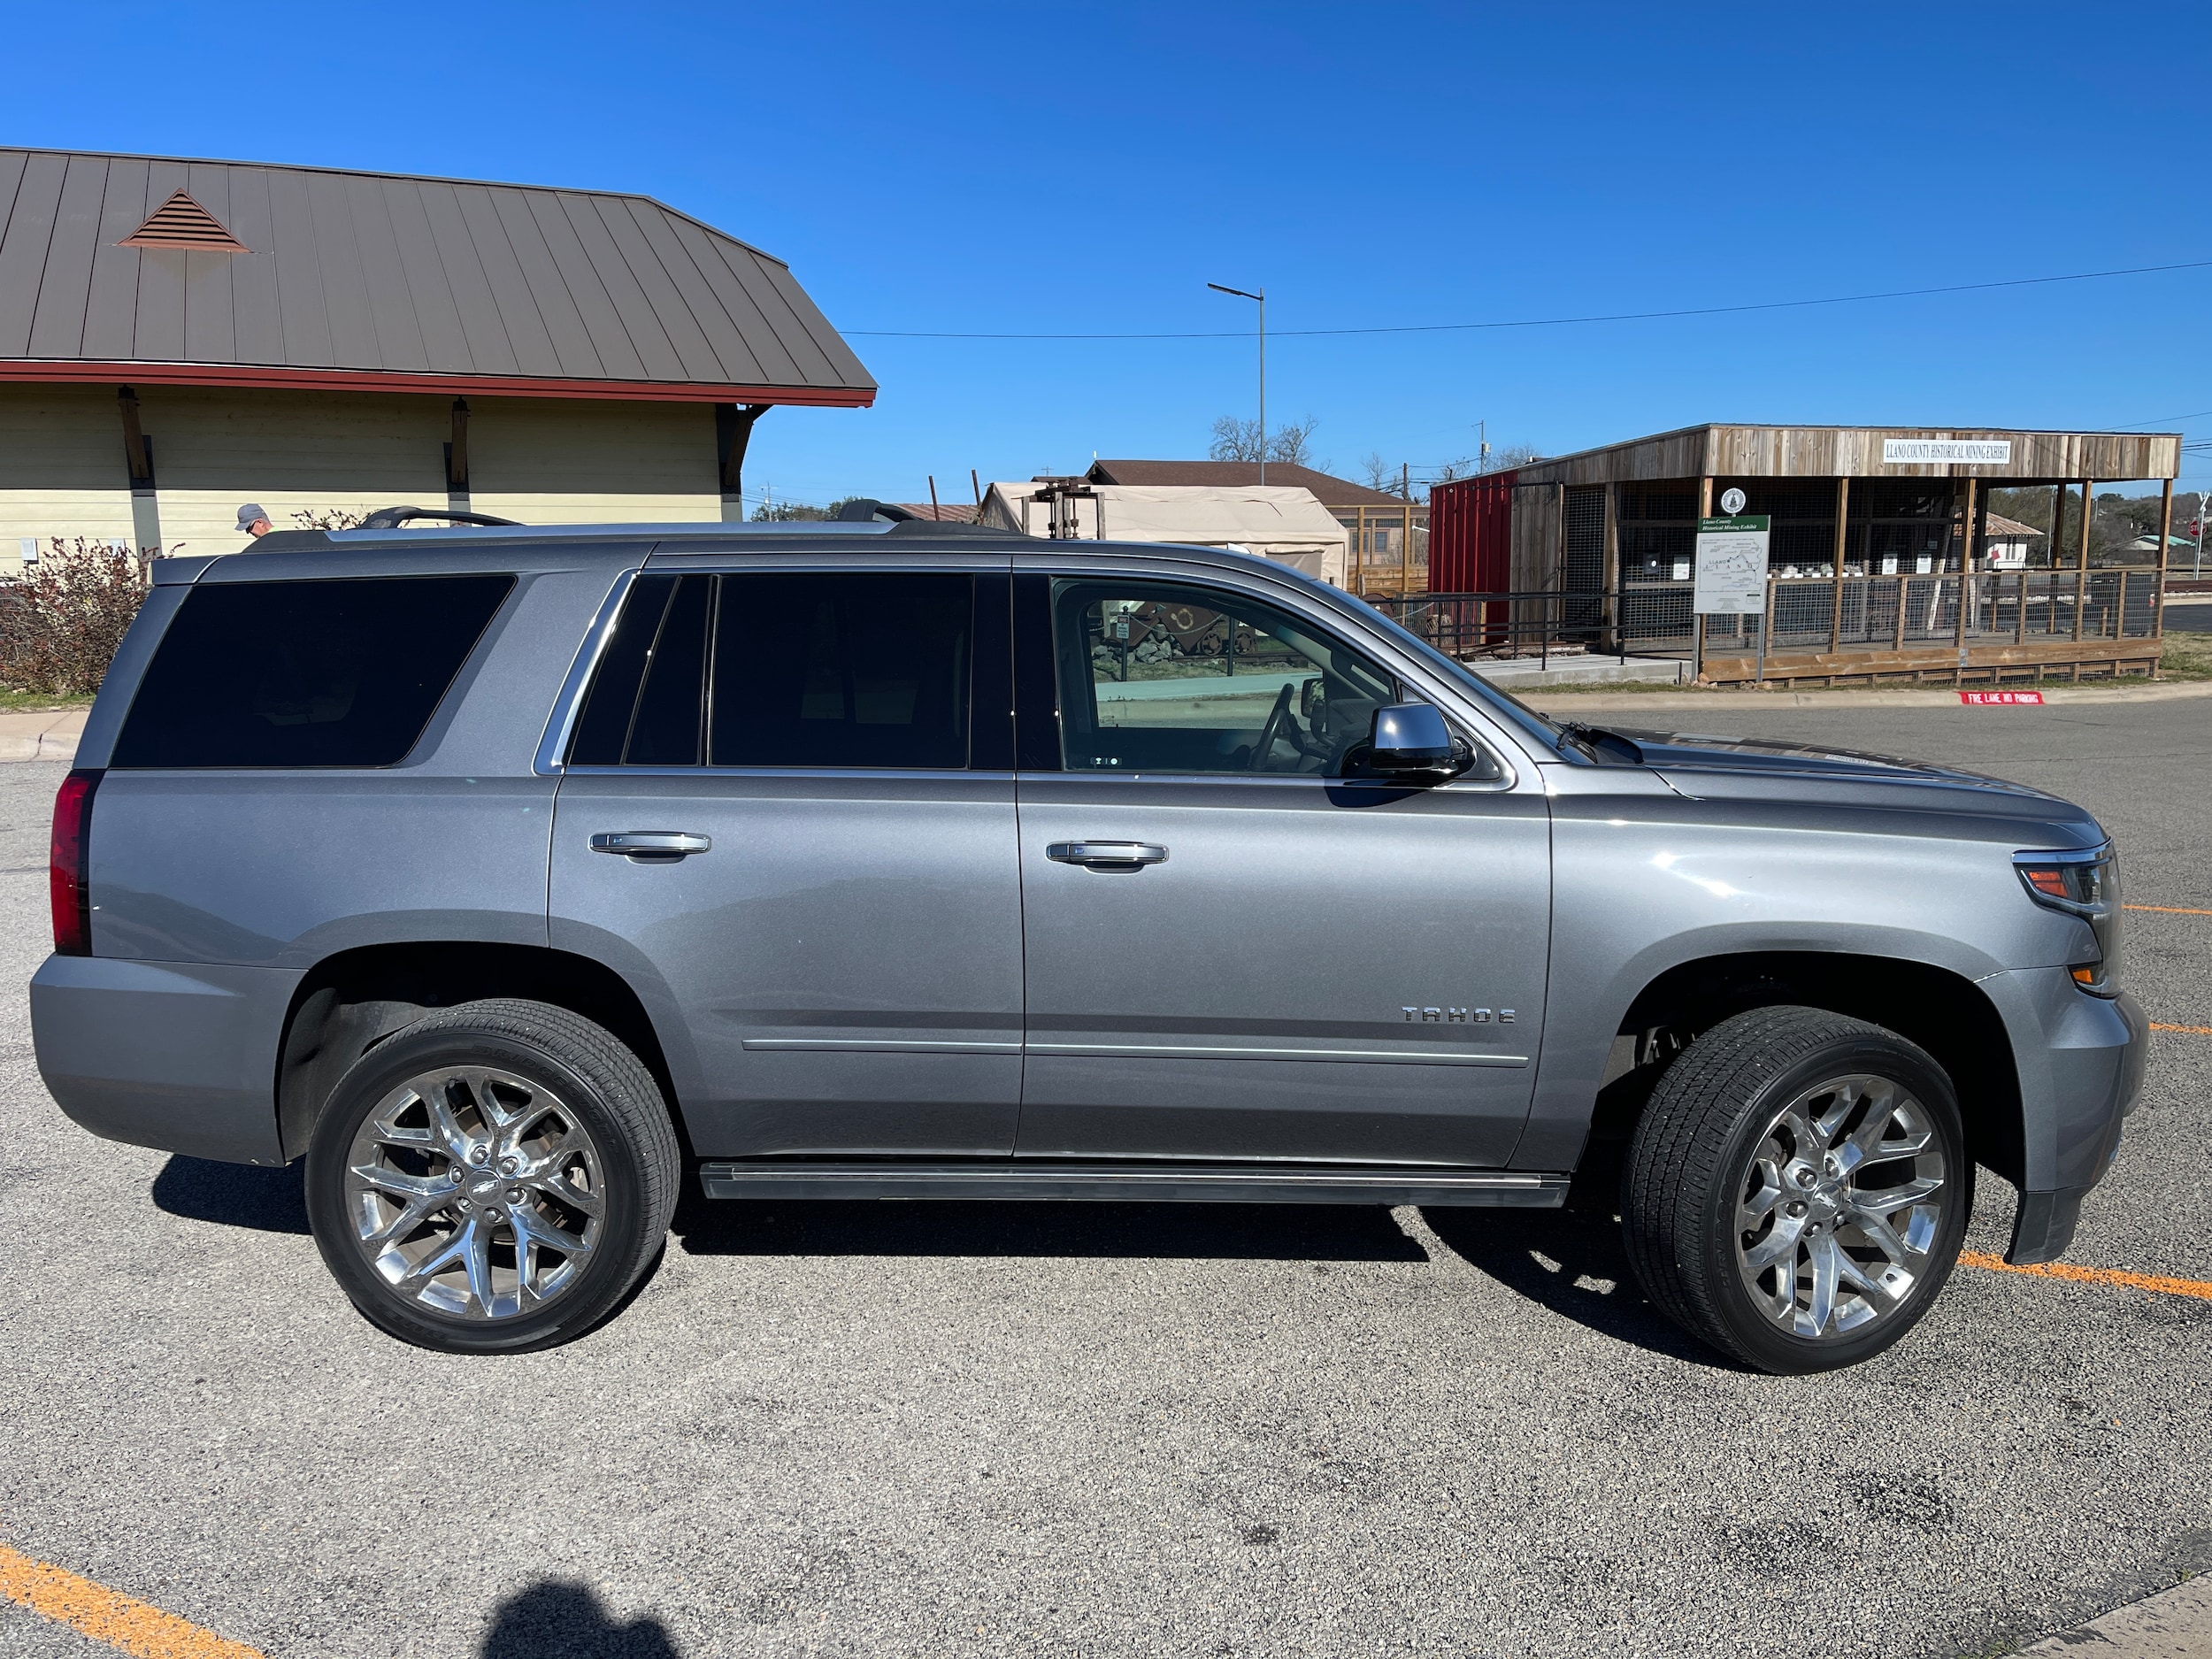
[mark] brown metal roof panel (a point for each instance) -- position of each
(682, 247)
(611, 339)
(841, 367)
(444, 340)
(353, 342)
(57, 324)
(110, 317)
(750, 336)
(681, 297)
(657, 358)
(159, 332)
(518, 313)
(490, 349)
(210, 327)
(384, 279)
(563, 323)
(785, 324)
(23, 249)
(256, 312)
(740, 338)
(724, 346)
(300, 304)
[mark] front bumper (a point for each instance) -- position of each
(2080, 1060)
(178, 1056)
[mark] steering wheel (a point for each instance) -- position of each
(1278, 725)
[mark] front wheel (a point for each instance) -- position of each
(1798, 1188)
(494, 1178)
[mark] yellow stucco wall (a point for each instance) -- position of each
(540, 460)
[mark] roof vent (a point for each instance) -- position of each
(181, 222)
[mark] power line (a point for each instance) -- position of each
(1556, 322)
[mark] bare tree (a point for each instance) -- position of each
(1293, 442)
(1236, 439)
(1291, 445)
(1378, 472)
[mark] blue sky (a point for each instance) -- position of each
(1024, 169)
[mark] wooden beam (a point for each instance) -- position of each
(1966, 563)
(2165, 529)
(1704, 511)
(457, 450)
(2081, 576)
(1843, 518)
(136, 457)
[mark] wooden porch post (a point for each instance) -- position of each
(2165, 529)
(1843, 516)
(1966, 577)
(2081, 575)
(1613, 566)
(1704, 511)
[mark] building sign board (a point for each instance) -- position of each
(1732, 566)
(1938, 452)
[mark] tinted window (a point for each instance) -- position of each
(665, 731)
(1158, 677)
(603, 726)
(859, 669)
(306, 673)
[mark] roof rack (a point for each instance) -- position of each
(392, 517)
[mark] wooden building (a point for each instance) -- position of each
(1880, 547)
(180, 337)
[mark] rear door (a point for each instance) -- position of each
(787, 819)
(1232, 952)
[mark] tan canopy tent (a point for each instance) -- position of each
(1277, 522)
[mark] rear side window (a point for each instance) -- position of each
(305, 673)
(818, 670)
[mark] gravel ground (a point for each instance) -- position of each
(1123, 1430)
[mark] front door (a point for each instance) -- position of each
(788, 820)
(1232, 953)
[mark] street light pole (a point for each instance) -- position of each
(1262, 297)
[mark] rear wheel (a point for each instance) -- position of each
(495, 1177)
(1798, 1188)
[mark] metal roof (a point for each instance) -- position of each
(387, 282)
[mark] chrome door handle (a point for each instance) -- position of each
(650, 844)
(1116, 855)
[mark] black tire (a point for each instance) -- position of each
(1697, 1155)
(590, 1077)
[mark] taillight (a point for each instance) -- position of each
(2084, 883)
(69, 865)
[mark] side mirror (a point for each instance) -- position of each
(1410, 743)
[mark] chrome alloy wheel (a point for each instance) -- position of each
(1842, 1201)
(475, 1193)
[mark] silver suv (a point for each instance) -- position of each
(504, 874)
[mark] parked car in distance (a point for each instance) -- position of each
(511, 877)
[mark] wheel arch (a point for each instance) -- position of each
(1941, 1011)
(352, 1000)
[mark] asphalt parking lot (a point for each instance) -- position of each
(948, 1429)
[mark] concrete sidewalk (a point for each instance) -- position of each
(41, 733)
(1571, 704)
(2174, 1625)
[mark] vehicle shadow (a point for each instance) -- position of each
(1573, 1262)
(1268, 1232)
(554, 1620)
(232, 1194)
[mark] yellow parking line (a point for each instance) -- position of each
(2167, 910)
(2109, 1276)
(120, 1620)
(2193, 1030)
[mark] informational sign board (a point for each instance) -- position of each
(1942, 451)
(1732, 566)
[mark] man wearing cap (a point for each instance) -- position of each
(252, 522)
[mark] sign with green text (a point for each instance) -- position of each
(1732, 566)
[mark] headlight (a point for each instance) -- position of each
(2085, 883)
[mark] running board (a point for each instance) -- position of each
(1142, 1183)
